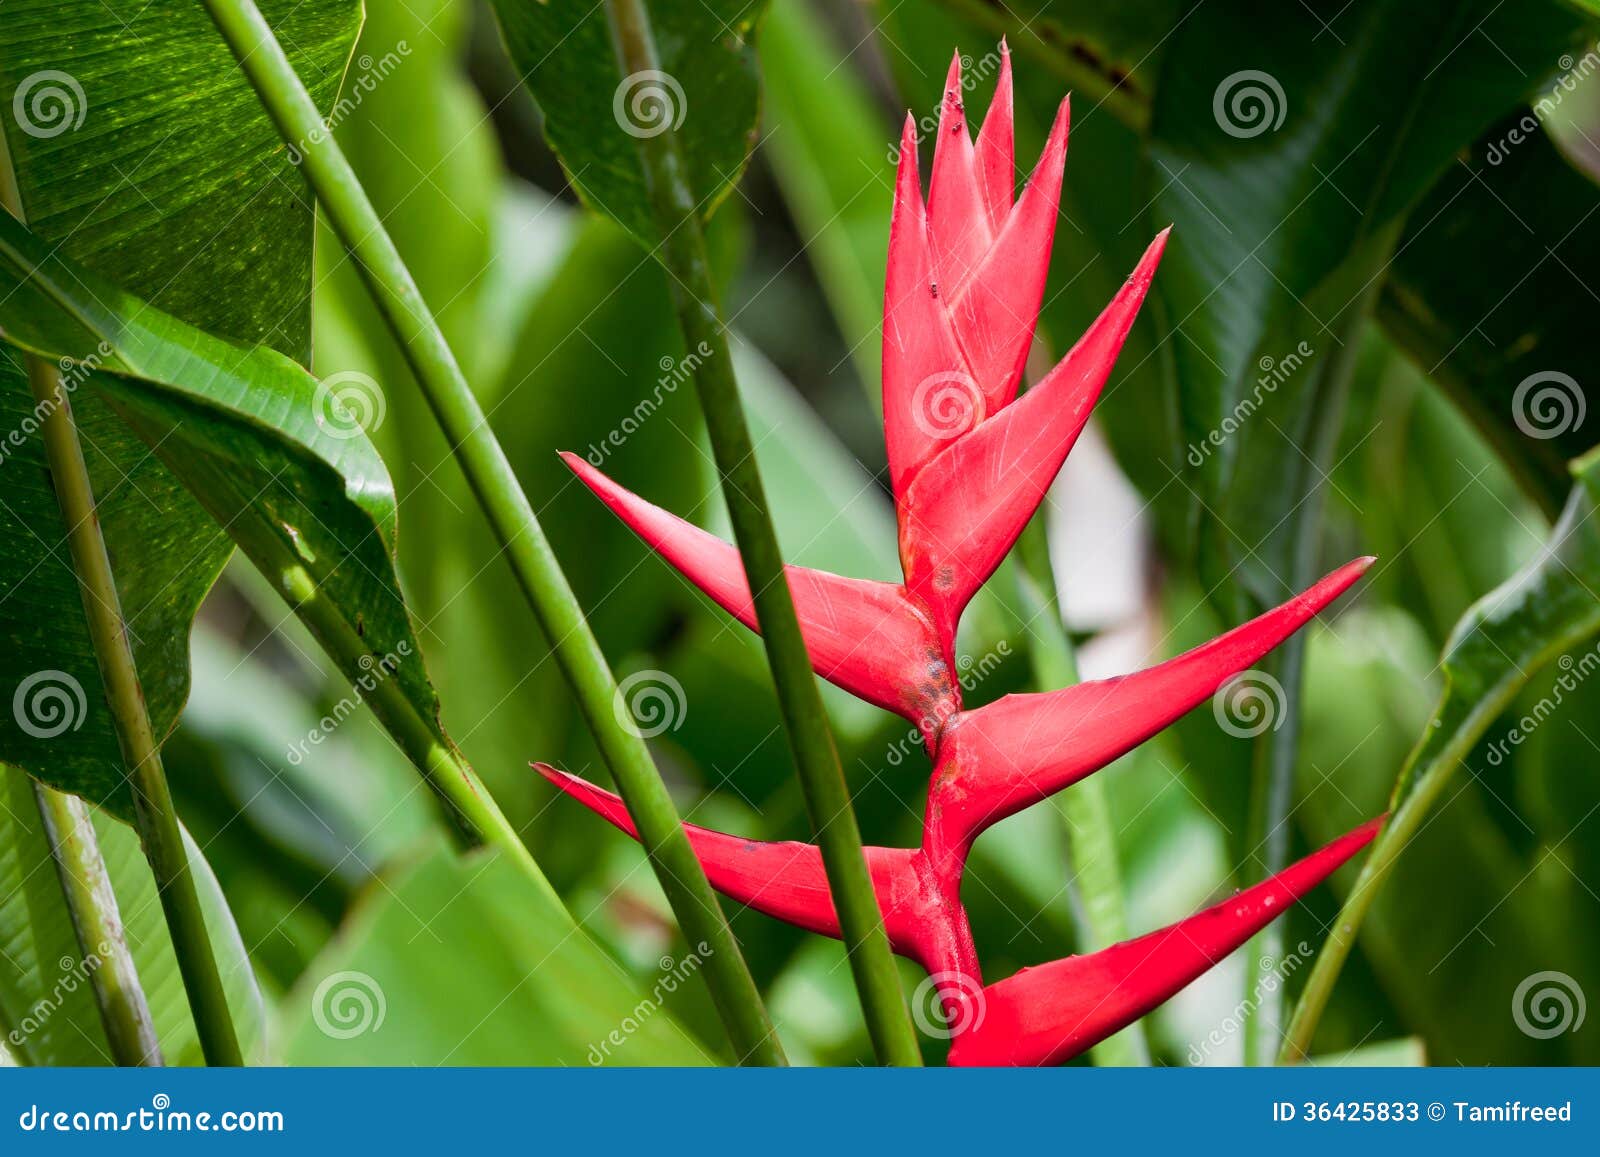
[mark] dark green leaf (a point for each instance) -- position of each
(265, 448)
(146, 158)
(1525, 221)
(1283, 151)
(706, 90)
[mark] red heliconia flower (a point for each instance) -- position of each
(969, 463)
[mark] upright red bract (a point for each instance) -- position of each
(969, 464)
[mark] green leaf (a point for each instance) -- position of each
(47, 1010)
(706, 90)
(1110, 54)
(1541, 612)
(1283, 152)
(259, 442)
(1544, 611)
(1526, 218)
(460, 961)
(146, 158)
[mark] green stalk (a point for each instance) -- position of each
(1397, 833)
(97, 925)
(450, 777)
(511, 517)
(154, 816)
(1386, 849)
(1277, 750)
(1091, 842)
(153, 812)
(683, 252)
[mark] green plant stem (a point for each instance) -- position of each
(97, 924)
(153, 812)
(450, 777)
(1417, 794)
(1386, 849)
(1091, 841)
(72, 839)
(1277, 749)
(511, 517)
(827, 796)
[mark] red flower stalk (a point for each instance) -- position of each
(969, 465)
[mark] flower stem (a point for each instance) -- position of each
(511, 517)
(153, 812)
(683, 252)
(98, 926)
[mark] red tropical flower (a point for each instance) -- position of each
(969, 463)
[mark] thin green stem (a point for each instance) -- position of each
(683, 252)
(97, 924)
(1277, 749)
(511, 517)
(153, 812)
(1101, 910)
(154, 815)
(1386, 849)
(1397, 833)
(450, 777)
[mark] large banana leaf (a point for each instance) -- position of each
(250, 432)
(1526, 314)
(1282, 155)
(47, 1009)
(460, 961)
(145, 157)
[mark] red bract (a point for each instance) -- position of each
(969, 465)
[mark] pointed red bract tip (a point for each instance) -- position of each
(996, 148)
(867, 637)
(965, 509)
(996, 310)
(784, 880)
(1020, 749)
(958, 220)
(1052, 1013)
